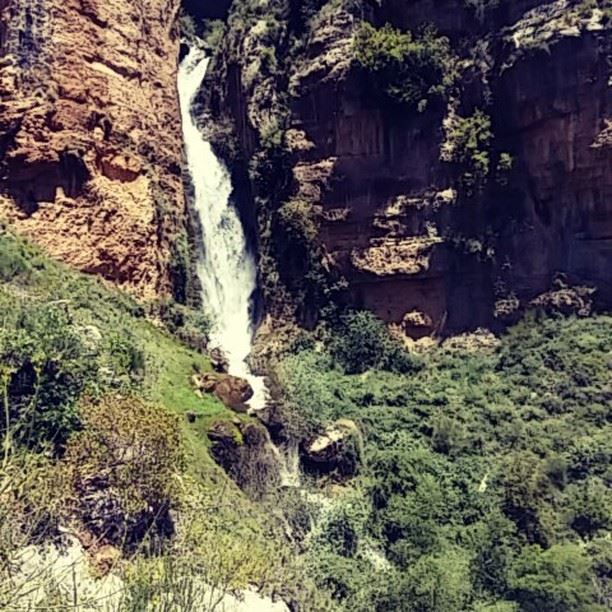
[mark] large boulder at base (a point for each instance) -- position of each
(244, 450)
(337, 450)
(234, 392)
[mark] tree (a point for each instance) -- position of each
(559, 579)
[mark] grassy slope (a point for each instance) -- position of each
(27, 274)
(221, 528)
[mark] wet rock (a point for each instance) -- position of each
(273, 418)
(232, 391)
(244, 450)
(219, 360)
(337, 450)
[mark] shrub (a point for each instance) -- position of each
(527, 494)
(181, 268)
(410, 69)
(437, 583)
(510, 477)
(467, 144)
(13, 262)
(559, 579)
(362, 342)
(190, 325)
(33, 497)
(298, 218)
(213, 34)
(123, 469)
(590, 507)
(45, 366)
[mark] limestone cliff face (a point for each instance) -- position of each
(90, 140)
(393, 218)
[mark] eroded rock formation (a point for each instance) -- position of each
(90, 141)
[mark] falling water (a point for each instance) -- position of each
(226, 267)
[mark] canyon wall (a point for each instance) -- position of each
(90, 139)
(393, 218)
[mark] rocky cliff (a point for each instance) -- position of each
(90, 140)
(378, 191)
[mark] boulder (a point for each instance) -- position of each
(232, 391)
(565, 299)
(244, 450)
(337, 449)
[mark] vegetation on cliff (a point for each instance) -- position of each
(415, 70)
(473, 475)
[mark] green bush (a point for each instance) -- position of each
(416, 70)
(437, 583)
(362, 342)
(468, 141)
(590, 507)
(298, 218)
(559, 579)
(482, 469)
(180, 268)
(13, 261)
(190, 325)
(45, 367)
(213, 34)
(123, 470)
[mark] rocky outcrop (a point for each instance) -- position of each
(232, 391)
(90, 142)
(393, 216)
(337, 450)
(214, 9)
(243, 449)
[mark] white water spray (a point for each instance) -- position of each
(226, 268)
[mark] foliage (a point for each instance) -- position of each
(416, 70)
(485, 475)
(213, 33)
(180, 268)
(559, 578)
(188, 324)
(297, 217)
(467, 144)
(33, 496)
(46, 365)
(13, 260)
(362, 342)
(123, 468)
(132, 471)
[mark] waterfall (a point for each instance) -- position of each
(226, 268)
